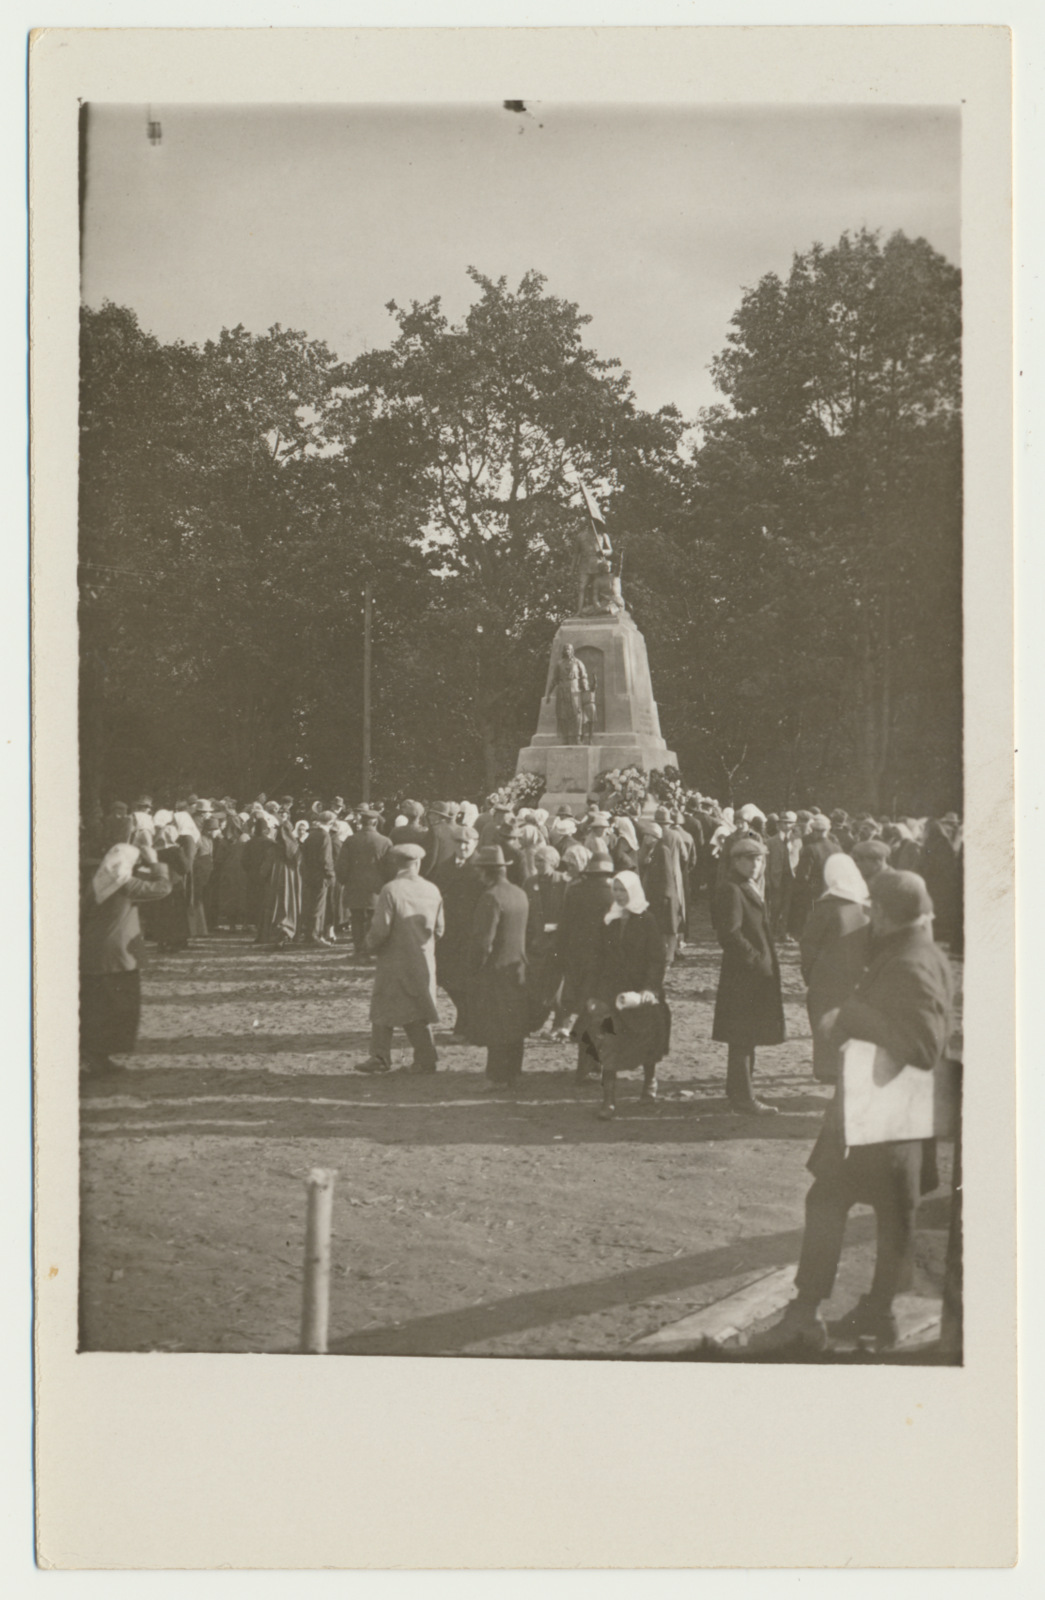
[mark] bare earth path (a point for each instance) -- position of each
(462, 1224)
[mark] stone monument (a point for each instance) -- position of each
(598, 710)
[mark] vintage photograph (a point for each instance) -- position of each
(521, 730)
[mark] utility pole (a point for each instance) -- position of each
(367, 608)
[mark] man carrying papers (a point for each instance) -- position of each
(902, 1005)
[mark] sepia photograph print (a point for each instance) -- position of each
(521, 730)
(530, 833)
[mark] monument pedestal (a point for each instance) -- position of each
(627, 725)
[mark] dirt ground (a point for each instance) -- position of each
(462, 1224)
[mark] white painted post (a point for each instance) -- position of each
(315, 1307)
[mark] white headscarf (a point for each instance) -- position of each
(116, 869)
(187, 824)
(575, 856)
(637, 902)
(625, 829)
(843, 879)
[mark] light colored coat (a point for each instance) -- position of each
(408, 919)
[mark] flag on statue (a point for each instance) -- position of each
(593, 511)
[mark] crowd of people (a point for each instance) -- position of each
(564, 927)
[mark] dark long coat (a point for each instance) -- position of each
(584, 906)
(661, 874)
(362, 868)
(441, 848)
(748, 1007)
(546, 893)
(317, 856)
(903, 1003)
(167, 920)
(835, 950)
(631, 958)
(460, 885)
(496, 1006)
(941, 868)
(904, 1000)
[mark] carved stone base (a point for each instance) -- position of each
(627, 724)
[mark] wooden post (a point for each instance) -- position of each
(367, 607)
(315, 1305)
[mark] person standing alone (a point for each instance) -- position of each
(749, 1010)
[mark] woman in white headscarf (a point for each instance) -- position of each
(110, 946)
(573, 859)
(625, 844)
(626, 1019)
(835, 950)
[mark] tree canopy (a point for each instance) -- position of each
(795, 563)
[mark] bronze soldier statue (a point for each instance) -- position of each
(593, 548)
(570, 686)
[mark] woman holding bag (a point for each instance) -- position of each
(627, 1020)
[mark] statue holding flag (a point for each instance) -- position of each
(593, 549)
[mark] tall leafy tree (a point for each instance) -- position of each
(828, 529)
(224, 541)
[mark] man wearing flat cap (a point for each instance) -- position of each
(408, 919)
(497, 1015)
(902, 1004)
(872, 857)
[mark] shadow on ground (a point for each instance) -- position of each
(450, 1332)
(448, 1108)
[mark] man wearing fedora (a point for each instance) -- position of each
(497, 1014)
(413, 830)
(361, 867)
(408, 919)
(441, 846)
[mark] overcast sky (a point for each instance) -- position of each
(652, 220)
